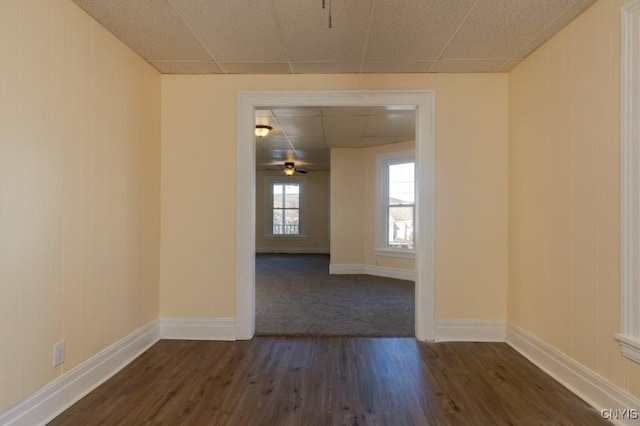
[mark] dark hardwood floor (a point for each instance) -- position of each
(330, 381)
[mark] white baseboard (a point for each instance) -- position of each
(51, 400)
(293, 250)
(588, 385)
(380, 271)
(198, 328)
(471, 331)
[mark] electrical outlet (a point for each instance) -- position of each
(58, 353)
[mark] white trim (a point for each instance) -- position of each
(198, 328)
(379, 271)
(471, 331)
(403, 254)
(424, 102)
(51, 400)
(630, 181)
(588, 385)
(292, 250)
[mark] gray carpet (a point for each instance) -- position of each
(296, 296)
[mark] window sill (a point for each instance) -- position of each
(285, 237)
(405, 254)
(630, 347)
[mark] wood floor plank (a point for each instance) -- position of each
(330, 381)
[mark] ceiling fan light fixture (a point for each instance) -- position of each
(262, 130)
(289, 168)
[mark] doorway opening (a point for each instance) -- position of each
(419, 100)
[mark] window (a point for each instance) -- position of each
(284, 207)
(396, 203)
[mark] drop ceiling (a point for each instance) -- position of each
(305, 135)
(367, 36)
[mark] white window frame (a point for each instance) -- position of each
(268, 207)
(383, 161)
(629, 336)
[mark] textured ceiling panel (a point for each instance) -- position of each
(150, 27)
(325, 67)
(390, 125)
(344, 126)
(367, 141)
(413, 30)
(257, 68)
(389, 67)
(308, 36)
(499, 28)
(301, 126)
(553, 27)
(234, 31)
(296, 112)
(187, 67)
(307, 142)
(468, 65)
(369, 36)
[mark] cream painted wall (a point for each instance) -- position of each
(79, 191)
(347, 206)
(317, 216)
(353, 206)
(199, 116)
(564, 194)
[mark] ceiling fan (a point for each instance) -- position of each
(290, 168)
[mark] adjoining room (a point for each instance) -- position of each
(343, 175)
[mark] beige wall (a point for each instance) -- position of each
(317, 216)
(199, 118)
(79, 191)
(347, 206)
(564, 194)
(353, 206)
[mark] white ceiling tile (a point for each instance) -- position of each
(313, 155)
(368, 141)
(413, 30)
(187, 67)
(349, 111)
(307, 142)
(325, 67)
(336, 126)
(308, 36)
(499, 28)
(344, 142)
(257, 68)
(235, 31)
(273, 143)
(152, 28)
(264, 113)
(302, 126)
(468, 65)
(394, 67)
(392, 125)
(296, 112)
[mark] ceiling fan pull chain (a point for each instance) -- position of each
(323, 1)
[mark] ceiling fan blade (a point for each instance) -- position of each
(302, 170)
